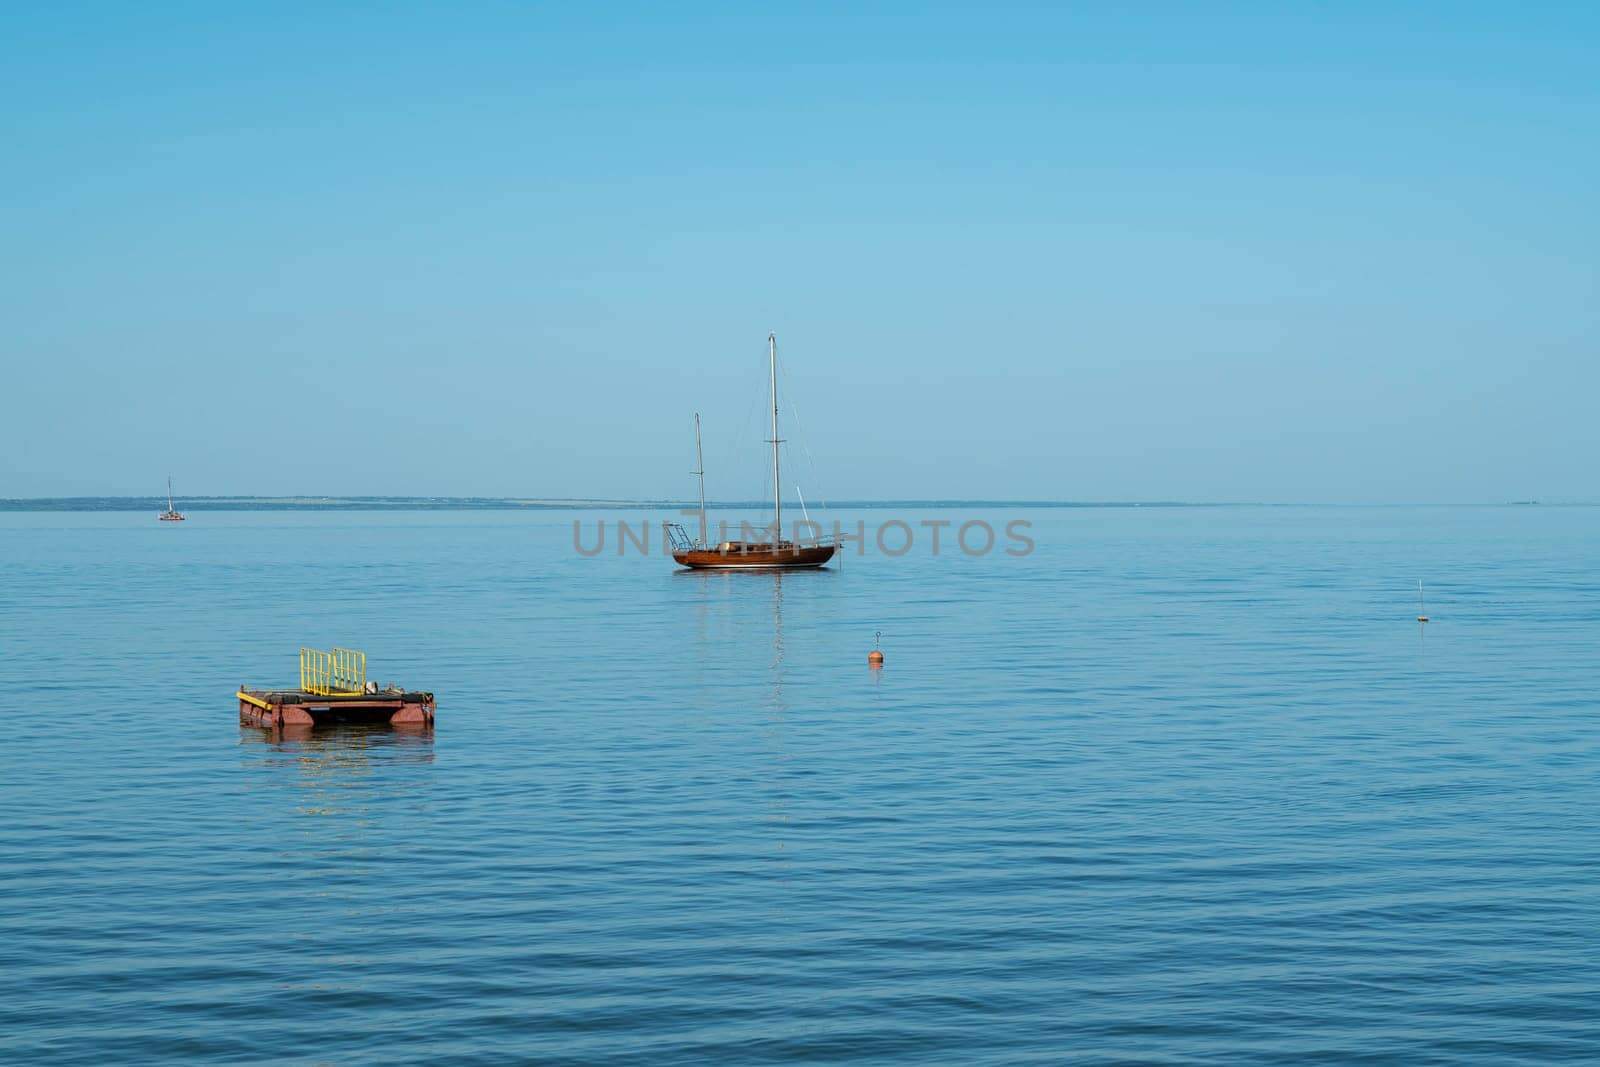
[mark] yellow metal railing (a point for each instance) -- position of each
(335, 673)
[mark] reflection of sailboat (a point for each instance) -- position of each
(171, 514)
(777, 642)
(775, 554)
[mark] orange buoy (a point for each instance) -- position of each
(875, 658)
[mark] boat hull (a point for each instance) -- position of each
(734, 556)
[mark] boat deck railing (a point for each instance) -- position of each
(681, 541)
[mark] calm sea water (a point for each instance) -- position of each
(1180, 786)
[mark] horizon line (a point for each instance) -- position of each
(398, 502)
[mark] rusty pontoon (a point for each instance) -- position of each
(334, 689)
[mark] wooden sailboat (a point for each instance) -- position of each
(171, 514)
(773, 554)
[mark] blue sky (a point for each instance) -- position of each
(1295, 252)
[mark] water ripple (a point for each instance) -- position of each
(1183, 786)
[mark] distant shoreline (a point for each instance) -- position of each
(474, 503)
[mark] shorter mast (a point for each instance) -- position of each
(699, 461)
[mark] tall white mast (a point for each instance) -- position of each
(169, 489)
(777, 486)
(699, 461)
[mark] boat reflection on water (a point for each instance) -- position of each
(727, 606)
(343, 769)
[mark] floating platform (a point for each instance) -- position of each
(296, 707)
(334, 689)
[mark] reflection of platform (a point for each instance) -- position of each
(297, 707)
